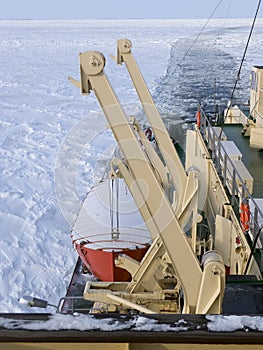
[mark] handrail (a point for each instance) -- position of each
(72, 308)
(222, 164)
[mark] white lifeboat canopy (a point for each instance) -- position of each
(109, 218)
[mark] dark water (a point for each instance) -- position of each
(206, 75)
(191, 79)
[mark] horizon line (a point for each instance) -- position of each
(116, 18)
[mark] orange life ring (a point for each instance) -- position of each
(244, 215)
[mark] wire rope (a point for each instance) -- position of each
(193, 43)
(200, 32)
(117, 205)
(241, 64)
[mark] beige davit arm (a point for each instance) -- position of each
(170, 156)
(160, 209)
(151, 200)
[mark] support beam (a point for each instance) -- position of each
(164, 141)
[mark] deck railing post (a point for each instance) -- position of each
(233, 188)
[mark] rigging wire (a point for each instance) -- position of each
(241, 64)
(111, 203)
(117, 206)
(226, 16)
(191, 46)
(114, 185)
(228, 8)
(201, 31)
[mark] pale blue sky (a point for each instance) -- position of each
(96, 9)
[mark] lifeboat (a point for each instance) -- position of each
(109, 224)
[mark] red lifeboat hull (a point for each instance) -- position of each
(101, 263)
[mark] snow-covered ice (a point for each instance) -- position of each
(47, 128)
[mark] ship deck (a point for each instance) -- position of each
(251, 157)
(253, 160)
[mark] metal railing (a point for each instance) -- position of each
(77, 304)
(232, 181)
(72, 304)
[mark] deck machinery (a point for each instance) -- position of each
(197, 238)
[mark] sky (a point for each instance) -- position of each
(125, 9)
